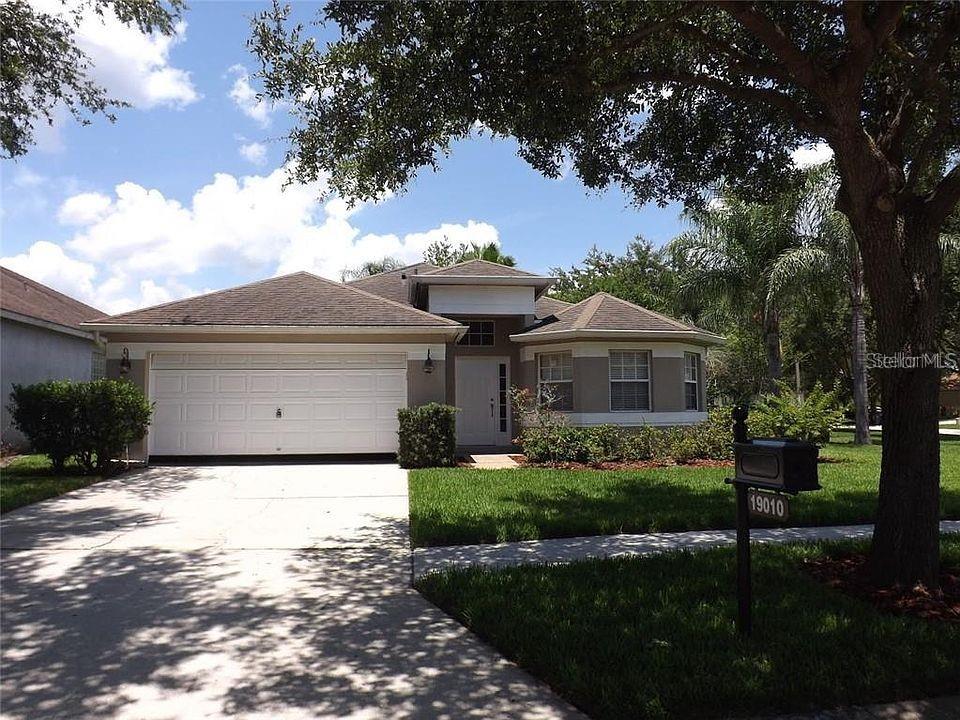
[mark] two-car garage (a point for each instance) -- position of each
(209, 403)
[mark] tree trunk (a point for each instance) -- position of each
(771, 344)
(901, 264)
(861, 400)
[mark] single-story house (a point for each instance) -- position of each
(301, 364)
(41, 339)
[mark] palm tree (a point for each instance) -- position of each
(371, 267)
(725, 261)
(442, 253)
(827, 251)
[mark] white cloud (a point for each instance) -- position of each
(47, 263)
(131, 65)
(84, 208)
(254, 152)
(137, 247)
(804, 157)
(244, 96)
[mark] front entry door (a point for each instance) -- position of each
(483, 400)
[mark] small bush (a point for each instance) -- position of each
(427, 436)
(111, 415)
(46, 413)
(809, 418)
(91, 421)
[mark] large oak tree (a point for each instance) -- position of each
(666, 99)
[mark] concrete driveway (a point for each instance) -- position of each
(244, 591)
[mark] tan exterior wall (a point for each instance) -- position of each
(139, 377)
(591, 384)
(423, 388)
(666, 377)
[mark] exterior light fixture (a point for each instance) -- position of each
(428, 363)
(125, 361)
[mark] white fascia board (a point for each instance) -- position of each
(692, 336)
(594, 348)
(414, 351)
(47, 325)
(452, 331)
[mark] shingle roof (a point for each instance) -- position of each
(480, 268)
(390, 284)
(547, 306)
(950, 382)
(21, 295)
(300, 299)
(607, 312)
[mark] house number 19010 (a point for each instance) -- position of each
(770, 505)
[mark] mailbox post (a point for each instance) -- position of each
(762, 467)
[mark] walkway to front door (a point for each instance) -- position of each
(240, 591)
(483, 399)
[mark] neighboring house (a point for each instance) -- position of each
(950, 394)
(40, 339)
(300, 364)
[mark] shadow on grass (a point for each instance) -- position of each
(655, 637)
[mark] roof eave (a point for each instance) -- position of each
(48, 325)
(699, 337)
(446, 330)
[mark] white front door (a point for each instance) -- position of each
(483, 400)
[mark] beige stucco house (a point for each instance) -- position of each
(301, 364)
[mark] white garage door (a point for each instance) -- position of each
(269, 403)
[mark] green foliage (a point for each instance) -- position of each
(427, 436)
(442, 253)
(809, 417)
(112, 414)
(641, 275)
(46, 413)
(43, 68)
(92, 422)
(371, 267)
(609, 443)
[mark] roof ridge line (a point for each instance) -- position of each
(667, 318)
(387, 272)
(47, 290)
(381, 298)
(589, 310)
(201, 295)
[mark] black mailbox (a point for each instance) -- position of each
(786, 465)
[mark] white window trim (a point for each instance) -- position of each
(541, 381)
(611, 380)
(695, 382)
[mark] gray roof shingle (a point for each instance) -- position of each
(21, 295)
(391, 284)
(299, 299)
(546, 306)
(481, 268)
(603, 311)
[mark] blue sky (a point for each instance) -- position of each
(183, 193)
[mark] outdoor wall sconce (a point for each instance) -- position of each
(428, 363)
(124, 361)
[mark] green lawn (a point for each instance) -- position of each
(29, 479)
(457, 506)
(654, 637)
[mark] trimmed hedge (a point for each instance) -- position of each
(91, 421)
(709, 440)
(428, 436)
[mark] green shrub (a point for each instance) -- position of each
(46, 413)
(810, 418)
(112, 414)
(91, 421)
(638, 443)
(427, 436)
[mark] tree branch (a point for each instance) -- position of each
(945, 196)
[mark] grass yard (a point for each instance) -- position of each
(457, 506)
(29, 479)
(654, 637)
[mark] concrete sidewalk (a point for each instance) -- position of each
(561, 550)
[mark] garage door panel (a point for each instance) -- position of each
(345, 403)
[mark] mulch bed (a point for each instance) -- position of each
(850, 574)
(621, 464)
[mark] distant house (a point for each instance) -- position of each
(40, 339)
(950, 394)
